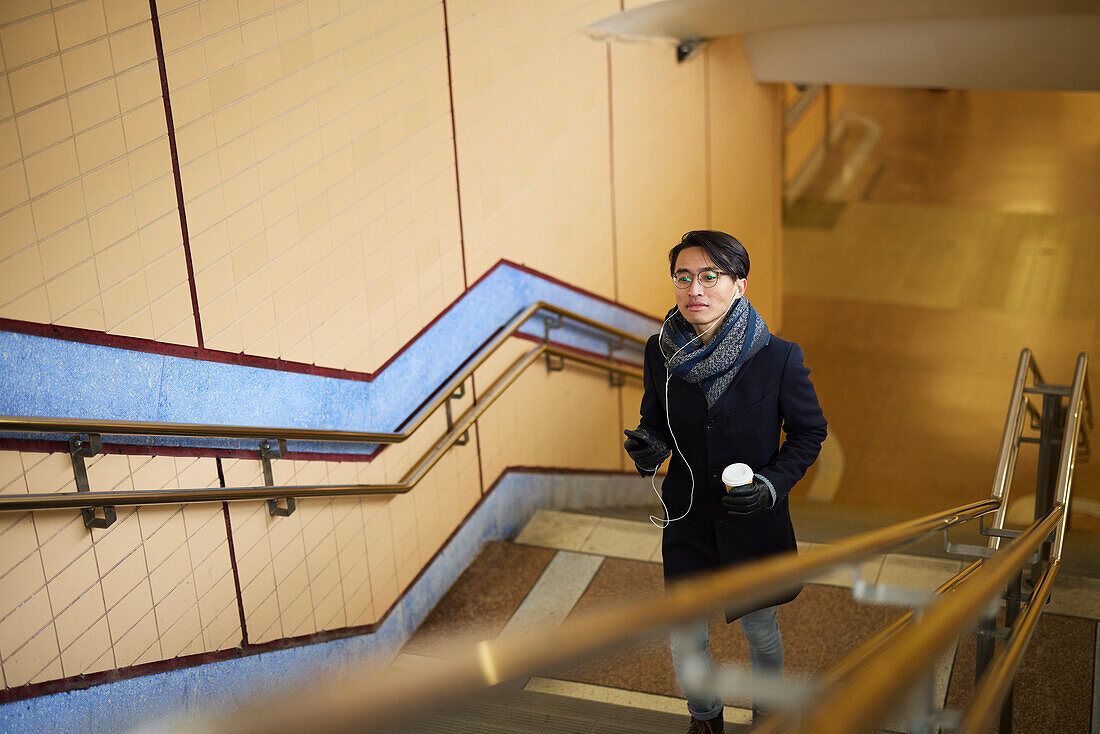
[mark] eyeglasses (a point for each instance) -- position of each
(707, 278)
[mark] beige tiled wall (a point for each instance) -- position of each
(531, 126)
(660, 165)
(342, 562)
(89, 227)
(321, 193)
(805, 136)
(569, 418)
(746, 120)
(318, 173)
(156, 584)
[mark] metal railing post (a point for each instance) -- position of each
(1050, 444)
(1010, 444)
(1079, 410)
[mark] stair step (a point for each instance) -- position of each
(529, 712)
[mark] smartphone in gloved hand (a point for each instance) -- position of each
(647, 451)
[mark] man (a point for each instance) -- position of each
(718, 387)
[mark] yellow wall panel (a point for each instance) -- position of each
(746, 119)
(83, 146)
(531, 119)
(154, 585)
(319, 176)
(806, 135)
(567, 419)
(305, 135)
(340, 562)
(660, 166)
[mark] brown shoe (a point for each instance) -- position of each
(710, 726)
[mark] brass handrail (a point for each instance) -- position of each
(1002, 480)
(365, 699)
(801, 106)
(851, 662)
(1010, 445)
(856, 694)
(64, 500)
(865, 697)
(32, 424)
(857, 700)
(997, 682)
(1068, 460)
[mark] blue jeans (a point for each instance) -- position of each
(761, 629)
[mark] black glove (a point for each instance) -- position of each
(748, 498)
(647, 451)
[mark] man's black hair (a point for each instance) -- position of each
(729, 255)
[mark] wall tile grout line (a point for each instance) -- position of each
(83, 172)
(454, 144)
(188, 536)
(149, 583)
(611, 174)
(461, 226)
(102, 597)
(317, 165)
(49, 597)
(339, 566)
(155, 20)
(232, 556)
(706, 133)
(290, 38)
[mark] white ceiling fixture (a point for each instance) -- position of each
(987, 44)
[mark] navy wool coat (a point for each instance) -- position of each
(771, 392)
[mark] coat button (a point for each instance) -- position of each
(710, 423)
(715, 474)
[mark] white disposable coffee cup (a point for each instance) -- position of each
(736, 475)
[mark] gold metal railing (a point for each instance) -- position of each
(1010, 444)
(868, 695)
(997, 682)
(367, 700)
(860, 690)
(1019, 406)
(1080, 410)
(407, 482)
(852, 697)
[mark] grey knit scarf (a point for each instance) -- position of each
(713, 366)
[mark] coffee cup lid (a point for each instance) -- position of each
(735, 475)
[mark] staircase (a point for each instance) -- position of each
(567, 563)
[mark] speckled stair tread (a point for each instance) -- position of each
(523, 712)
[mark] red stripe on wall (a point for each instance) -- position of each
(151, 346)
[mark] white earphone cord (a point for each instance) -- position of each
(664, 522)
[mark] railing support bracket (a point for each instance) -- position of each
(881, 594)
(78, 450)
(554, 362)
(267, 453)
(459, 393)
(614, 379)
